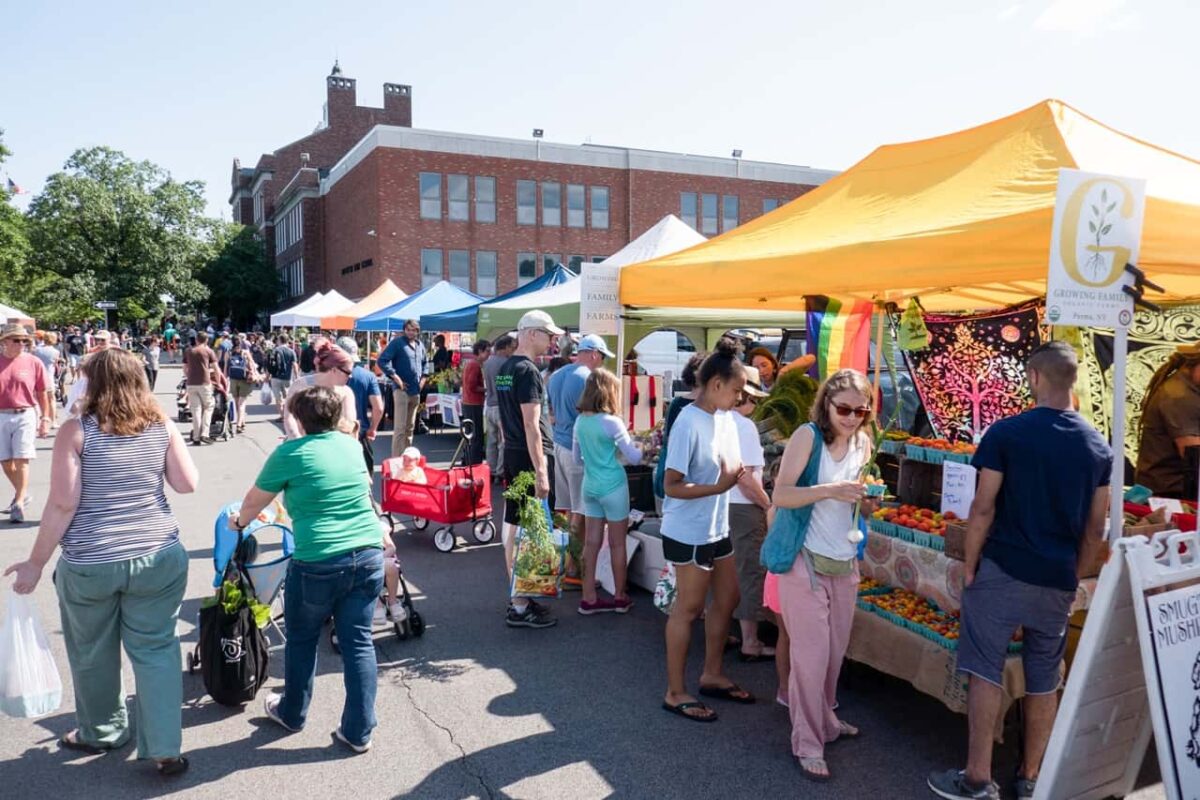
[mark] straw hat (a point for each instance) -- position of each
(11, 329)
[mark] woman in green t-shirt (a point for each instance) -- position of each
(337, 568)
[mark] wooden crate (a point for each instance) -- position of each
(956, 539)
(919, 484)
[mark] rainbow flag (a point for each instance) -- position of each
(839, 334)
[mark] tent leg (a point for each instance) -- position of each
(1117, 484)
(879, 312)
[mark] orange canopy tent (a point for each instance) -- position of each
(962, 220)
(385, 295)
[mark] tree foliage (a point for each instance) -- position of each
(14, 244)
(239, 279)
(110, 228)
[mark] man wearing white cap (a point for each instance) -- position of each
(528, 446)
(565, 389)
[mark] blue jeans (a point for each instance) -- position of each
(347, 587)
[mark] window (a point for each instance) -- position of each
(687, 209)
(600, 207)
(729, 212)
(292, 277)
(527, 202)
(485, 200)
(550, 261)
(460, 268)
(456, 192)
(708, 213)
(258, 209)
(431, 195)
(526, 268)
(485, 273)
(431, 266)
(599, 259)
(575, 263)
(552, 204)
(770, 204)
(576, 211)
(289, 229)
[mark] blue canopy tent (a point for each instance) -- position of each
(442, 296)
(465, 319)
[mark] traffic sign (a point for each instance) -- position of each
(106, 305)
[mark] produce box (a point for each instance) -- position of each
(955, 540)
(915, 452)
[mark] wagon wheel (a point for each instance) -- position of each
(420, 523)
(402, 631)
(484, 531)
(191, 664)
(417, 623)
(443, 540)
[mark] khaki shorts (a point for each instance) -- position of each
(18, 434)
(568, 481)
(239, 388)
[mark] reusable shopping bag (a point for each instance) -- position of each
(664, 589)
(539, 558)
(29, 681)
(234, 654)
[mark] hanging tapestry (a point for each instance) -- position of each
(839, 334)
(973, 372)
(1153, 336)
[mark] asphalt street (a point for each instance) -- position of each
(474, 709)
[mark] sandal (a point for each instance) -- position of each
(754, 658)
(808, 769)
(682, 708)
(847, 731)
(169, 767)
(70, 741)
(732, 692)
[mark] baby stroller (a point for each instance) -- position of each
(450, 497)
(263, 550)
(412, 624)
(224, 411)
(183, 409)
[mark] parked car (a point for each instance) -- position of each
(661, 352)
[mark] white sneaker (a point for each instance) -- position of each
(358, 748)
(397, 612)
(380, 615)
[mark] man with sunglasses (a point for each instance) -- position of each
(23, 398)
(402, 363)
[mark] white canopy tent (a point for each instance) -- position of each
(329, 305)
(283, 319)
(10, 314)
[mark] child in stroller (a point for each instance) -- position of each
(224, 415)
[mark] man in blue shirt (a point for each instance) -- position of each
(564, 390)
(368, 401)
(1037, 522)
(402, 362)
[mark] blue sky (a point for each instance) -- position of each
(191, 86)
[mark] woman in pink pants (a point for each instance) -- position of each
(816, 596)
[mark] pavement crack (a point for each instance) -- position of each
(464, 760)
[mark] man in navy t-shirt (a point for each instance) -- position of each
(1037, 522)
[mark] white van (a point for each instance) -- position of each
(664, 351)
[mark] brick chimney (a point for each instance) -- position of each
(397, 104)
(340, 96)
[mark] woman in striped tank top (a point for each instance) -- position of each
(123, 571)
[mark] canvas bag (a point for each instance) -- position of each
(788, 530)
(233, 649)
(541, 577)
(29, 682)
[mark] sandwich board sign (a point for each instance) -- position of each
(599, 303)
(1136, 672)
(1097, 230)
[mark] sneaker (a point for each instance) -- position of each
(621, 605)
(1024, 788)
(953, 785)
(531, 617)
(271, 708)
(396, 612)
(381, 614)
(600, 606)
(358, 748)
(17, 511)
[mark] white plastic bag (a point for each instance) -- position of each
(265, 395)
(29, 682)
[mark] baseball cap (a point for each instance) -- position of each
(411, 452)
(348, 344)
(539, 320)
(102, 334)
(594, 341)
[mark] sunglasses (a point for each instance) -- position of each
(346, 372)
(746, 397)
(846, 411)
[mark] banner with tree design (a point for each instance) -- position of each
(973, 372)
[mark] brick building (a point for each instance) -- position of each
(367, 197)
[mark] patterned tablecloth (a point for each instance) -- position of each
(931, 573)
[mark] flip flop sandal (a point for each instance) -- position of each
(754, 658)
(173, 766)
(848, 731)
(733, 693)
(816, 777)
(682, 710)
(70, 741)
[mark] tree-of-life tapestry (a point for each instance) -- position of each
(973, 372)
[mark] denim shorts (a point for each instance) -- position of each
(993, 607)
(613, 506)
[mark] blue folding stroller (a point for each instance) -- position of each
(263, 550)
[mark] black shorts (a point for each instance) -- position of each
(702, 555)
(516, 462)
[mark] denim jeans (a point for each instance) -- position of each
(347, 587)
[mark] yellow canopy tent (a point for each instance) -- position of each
(385, 295)
(961, 220)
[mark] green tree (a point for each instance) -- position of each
(241, 282)
(110, 228)
(14, 245)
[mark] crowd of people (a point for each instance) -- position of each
(788, 557)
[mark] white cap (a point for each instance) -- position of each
(594, 341)
(539, 320)
(411, 452)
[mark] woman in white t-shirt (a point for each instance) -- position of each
(816, 596)
(702, 464)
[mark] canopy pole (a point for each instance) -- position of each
(621, 354)
(1116, 509)
(879, 312)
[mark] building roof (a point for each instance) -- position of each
(391, 136)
